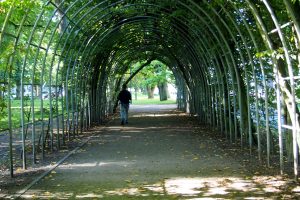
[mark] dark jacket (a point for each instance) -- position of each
(124, 96)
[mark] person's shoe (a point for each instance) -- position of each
(126, 122)
(122, 123)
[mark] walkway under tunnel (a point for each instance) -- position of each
(236, 66)
(162, 153)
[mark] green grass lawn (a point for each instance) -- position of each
(16, 111)
(143, 100)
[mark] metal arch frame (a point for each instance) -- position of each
(268, 148)
(11, 60)
(71, 61)
(248, 112)
(267, 41)
(24, 63)
(246, 75)
(60, 38)
(278, 79)
(264, 86)
(294, 128)
(292, 84)
(22, 113)
(22, 90)
(224, 51)
(227, 59)
(210, 91)
(234, 68)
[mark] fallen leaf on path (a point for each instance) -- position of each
(19, 170)
(141, 189)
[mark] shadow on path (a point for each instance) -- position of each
(160, 154)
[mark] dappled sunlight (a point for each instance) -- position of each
(158, 187)
(160, 158)
(128, 136)
(113, 163)
(154, 115)
(114, 128)
(125, 191)
(38, 194)
(133, 129)
(296, 189)
(183, 186)
(96, 164)
(78, 165)
(220, 187)
(152, 107)
(257, 187)
(92, 195)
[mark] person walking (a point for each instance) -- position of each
(125, 98)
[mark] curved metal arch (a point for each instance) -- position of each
(248, 55)
(116, 27)
(255, 80)
(24, 63)
(243, 61)
(11, 61)
(295, 126)
(238, 81)
(22, 89)
(269, 45)
(226, 59)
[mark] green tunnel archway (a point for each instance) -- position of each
(236, 65)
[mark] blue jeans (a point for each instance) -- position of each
(124, 112)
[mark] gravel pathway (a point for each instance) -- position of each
(160, 154)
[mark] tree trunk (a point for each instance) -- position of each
(163, 91)
(17, 78)
(287, 96)
(144, 90)
(287, 133)
(274, 44)
(135, 92)
(150, 91)
(61, 16)
(37, 90)
(18, 89)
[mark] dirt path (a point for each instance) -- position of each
(160, 154)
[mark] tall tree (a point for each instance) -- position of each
(154, 74)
